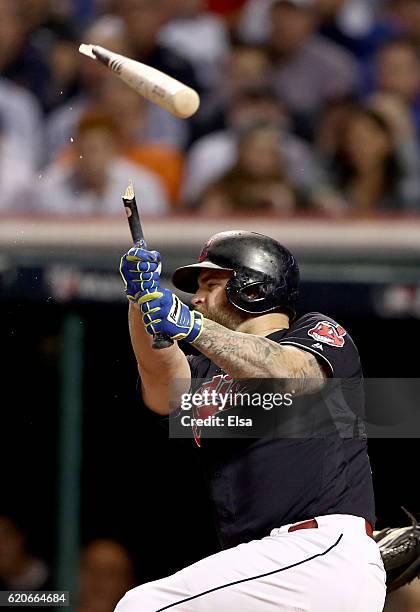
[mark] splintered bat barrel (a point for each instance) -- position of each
(160, 341)
(158, 87)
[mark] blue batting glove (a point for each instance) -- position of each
(164, 312)
(140, 270)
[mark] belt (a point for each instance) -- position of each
(312, 524)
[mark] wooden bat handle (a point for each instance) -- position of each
(160, 341)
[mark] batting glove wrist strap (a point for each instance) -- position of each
(197, 327)
(164, 312)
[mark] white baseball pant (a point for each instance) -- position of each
(335, 568)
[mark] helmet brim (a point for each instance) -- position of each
(186, 277)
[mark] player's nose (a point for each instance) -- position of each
(197, 299)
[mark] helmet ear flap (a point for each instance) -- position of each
(233, 288)
(248, 294)
(256, 293)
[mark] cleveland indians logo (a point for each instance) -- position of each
(329, 333)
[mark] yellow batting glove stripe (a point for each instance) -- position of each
(150, 324)
(151, 310)
(150, 296)
(178, 337)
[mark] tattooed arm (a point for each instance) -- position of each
(249, 356)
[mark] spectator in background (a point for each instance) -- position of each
(19, 568)
(230, 11)
(357, 25)
(398, 117)
(214, 154)
(21, 119)
(398, 73)
(20, 60)
(245, 66)
(61, 124)
(254, 21)
(256, 183)
(52, 31)
(38, 50)
(106, 574)
(143, 21)
(16, 170)
(368, 169)
(198, 36)
(131, 115)
(330, 127)
(107, 31)
(94, 180)
(406, 14)
(309, 70)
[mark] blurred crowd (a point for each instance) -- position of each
(105, 574)
(306, 106)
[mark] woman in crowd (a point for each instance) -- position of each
(256, 183)
(374, 164)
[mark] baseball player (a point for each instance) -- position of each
(294, 514)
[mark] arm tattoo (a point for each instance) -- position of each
(248, 356)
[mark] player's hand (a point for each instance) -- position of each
(164, 312)
(140, 270)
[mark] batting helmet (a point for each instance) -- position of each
(265, 273)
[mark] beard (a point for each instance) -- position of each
(225, 315)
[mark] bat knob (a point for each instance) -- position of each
(161, 341)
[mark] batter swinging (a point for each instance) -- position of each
(294, 514)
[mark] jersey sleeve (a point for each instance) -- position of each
(328, 341)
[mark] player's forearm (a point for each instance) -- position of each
(165, 374)
(240, 355)
(249, 356)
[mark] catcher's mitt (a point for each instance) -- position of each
(400, 550)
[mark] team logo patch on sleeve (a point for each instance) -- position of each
(329, 333)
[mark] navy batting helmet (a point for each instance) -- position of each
(265, 274)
